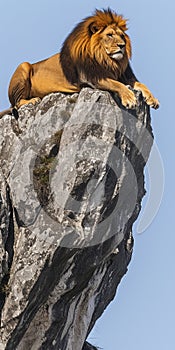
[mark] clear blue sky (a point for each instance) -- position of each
(142, 315)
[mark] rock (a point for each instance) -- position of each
(71, 188)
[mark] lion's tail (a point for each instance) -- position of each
(6, 111)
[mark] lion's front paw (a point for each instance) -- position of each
(151, 101)
(128, 99)
(148, 96)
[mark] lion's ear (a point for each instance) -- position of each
(93, 28)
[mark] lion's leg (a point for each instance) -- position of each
(20, 86)
(131, 79)
(149, 98)
(127, 96)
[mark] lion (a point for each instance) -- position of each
(95, 54)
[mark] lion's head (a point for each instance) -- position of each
(97, 48)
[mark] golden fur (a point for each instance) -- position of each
(96, 53)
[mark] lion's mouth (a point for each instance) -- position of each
(117, 55)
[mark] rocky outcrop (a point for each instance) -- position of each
(71, 185)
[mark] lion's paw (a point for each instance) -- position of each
(148, 96)
(128, 99)
(152, 101)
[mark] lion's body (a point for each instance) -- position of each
(96, 53)
(43, 77)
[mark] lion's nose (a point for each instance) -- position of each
(121, 46)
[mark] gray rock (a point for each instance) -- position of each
(71, 188)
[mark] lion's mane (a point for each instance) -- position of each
(83, 54)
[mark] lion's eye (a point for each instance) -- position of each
(110, 35)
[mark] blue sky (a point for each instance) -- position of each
(142, 316)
